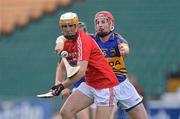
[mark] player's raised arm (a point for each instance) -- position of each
(123, 49)
(122, 45)
(56, 90)
(78, 76)
(60, 44)
(60, 73)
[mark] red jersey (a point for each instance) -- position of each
(99, 74)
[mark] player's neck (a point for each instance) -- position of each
(105, 39)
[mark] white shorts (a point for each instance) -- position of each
(92, 106)
(102, 97)
(126, 95)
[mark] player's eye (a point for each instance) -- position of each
(97, 22)
(64, 26)
(103, 21)
(71, 25)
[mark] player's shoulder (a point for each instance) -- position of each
(92, 35)
(60, 38)
(85, 37)
(119, 38)
(117, 35)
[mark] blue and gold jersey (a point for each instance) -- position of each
(112, 54)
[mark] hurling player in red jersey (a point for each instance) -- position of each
(87, 112)
(100, 80)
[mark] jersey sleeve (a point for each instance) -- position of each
(60, 39)
(86, 47)
(120, 39)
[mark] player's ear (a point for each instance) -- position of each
(111, 26)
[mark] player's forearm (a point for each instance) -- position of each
(59, 44)
(74, 79)
(58, 88)
(123, 49)
(60, 74)
(78, 76)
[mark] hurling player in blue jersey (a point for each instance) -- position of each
(115, 49)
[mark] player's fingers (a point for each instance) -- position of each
(58, 48)
(53, 91)
(58, 52)
(65, 93)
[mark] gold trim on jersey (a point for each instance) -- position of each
(118, 65)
